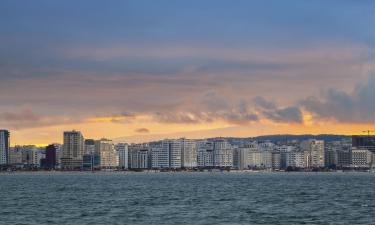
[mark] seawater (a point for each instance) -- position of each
(187, 198)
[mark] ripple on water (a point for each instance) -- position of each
(187, 198)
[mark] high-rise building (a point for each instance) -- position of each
(223, 153)
(123, 151)
(73, 150)
(59, 149)
(205, 156)
(89, 147)
(174, 149)
(4, 147)
(50, 161)
(276, 160)
(314, 150)
(159, 158)
(139, 156)
(240, 158)
(109, 157)
(188, 153)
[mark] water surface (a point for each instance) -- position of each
(187, 198)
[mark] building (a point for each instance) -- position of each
(50, 160)
(89, 147)
(344, 156)
(123, 151)
(364, 142)
(139, 156)
(4, 147)
(295, 158)
(338, 154)
(188, 153)
(314, 150)
(240, 158)
(59, 149)
(276, 160)
(362, 157)
(223, 153)
(174, 149)
(15, 156)
(109, 157)
(32, 156)
(205, 157)
(159, 158)
(73, 150)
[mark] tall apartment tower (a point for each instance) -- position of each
(4, 147)
(73, 150)
(173, 148)
(50, 160)
(314, 152)
(189, 153)
(123, 151)
(223, 153)
(109, 157)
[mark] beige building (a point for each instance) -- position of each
(73, 150)
(109, 157)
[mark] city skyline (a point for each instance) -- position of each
(149, 71)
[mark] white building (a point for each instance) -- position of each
(159, 158)
(123, 151)
(139, 156)
(314, 150)
(223, 153)
(4, 147)
(241, 158)
(188, 153)
(276, 160)
(296, 158)
(174, 148)
(205, 157)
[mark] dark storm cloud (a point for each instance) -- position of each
(270, 110)
(357, 106)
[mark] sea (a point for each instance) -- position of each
(187, 198)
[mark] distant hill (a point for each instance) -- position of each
(289, 137)
(272, 138)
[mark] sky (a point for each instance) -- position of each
(141, 70)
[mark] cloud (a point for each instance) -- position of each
(209, 108)
(27, 118)
(290, 114)
(142, 130)
(357, 106)
(25, 115)
(285, 115)
(263, 103)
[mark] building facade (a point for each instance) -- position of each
(123, 152)
(73, 150)
(4, 147)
